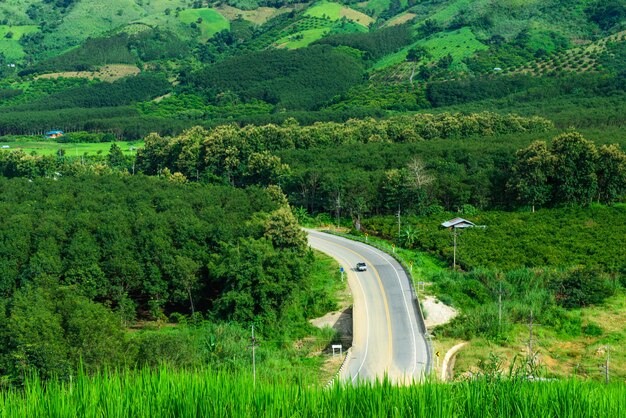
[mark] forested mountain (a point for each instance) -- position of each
(259, 61)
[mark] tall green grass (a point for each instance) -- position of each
(168, 393)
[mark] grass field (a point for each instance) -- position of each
(301, 39)
(71, 150)
(319, 20)
(335, 11)
(108, 73)
(11, 47)
(400, 19)
(12, 50)
(15, 10)
(17, 31)
(93, 18)
(377, 6)
(212, 21)
(447, 12)
(256, 16)
(460, 43)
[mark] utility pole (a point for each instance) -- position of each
(399, 224)
(338, 204)
(253, 357)
(606, 364)
(530, 336)
(454, 252)
(500, 306)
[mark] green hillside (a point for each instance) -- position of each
(10, 40)
(322, 19)
(461, 43)
(208, 21)
(399, 54)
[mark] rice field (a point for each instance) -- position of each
(71, 150)
(168, 393)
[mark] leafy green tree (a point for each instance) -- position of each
(81, 260)
(283, 230)
(581, 287)
(428, 28)
(417, 53)
(188, 147)
(607, 13)
(35, 335)
(154, 155)
(445, 62)
(575, 179)
(185, 275)
(531, 173)
(611, 171)
(116, 157)
(50, 329)
(264, 168)
(258, 281)
(393, 188)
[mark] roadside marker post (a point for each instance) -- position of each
(366, 234)
(337, 347)
(341, 271)
(393, 248)
(411, 266)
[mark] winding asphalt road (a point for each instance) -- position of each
(388, 329)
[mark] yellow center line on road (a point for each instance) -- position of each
(382, 289)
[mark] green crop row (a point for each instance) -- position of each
(164, 392)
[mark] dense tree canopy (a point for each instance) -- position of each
(571, 171)
(300, 79)
(148, 243)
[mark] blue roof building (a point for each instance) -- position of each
(54, 134)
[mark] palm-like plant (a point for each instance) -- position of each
(408, 237)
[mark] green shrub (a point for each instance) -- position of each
(592, 330)
(581, 287)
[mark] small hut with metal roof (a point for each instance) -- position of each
(458, 223)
